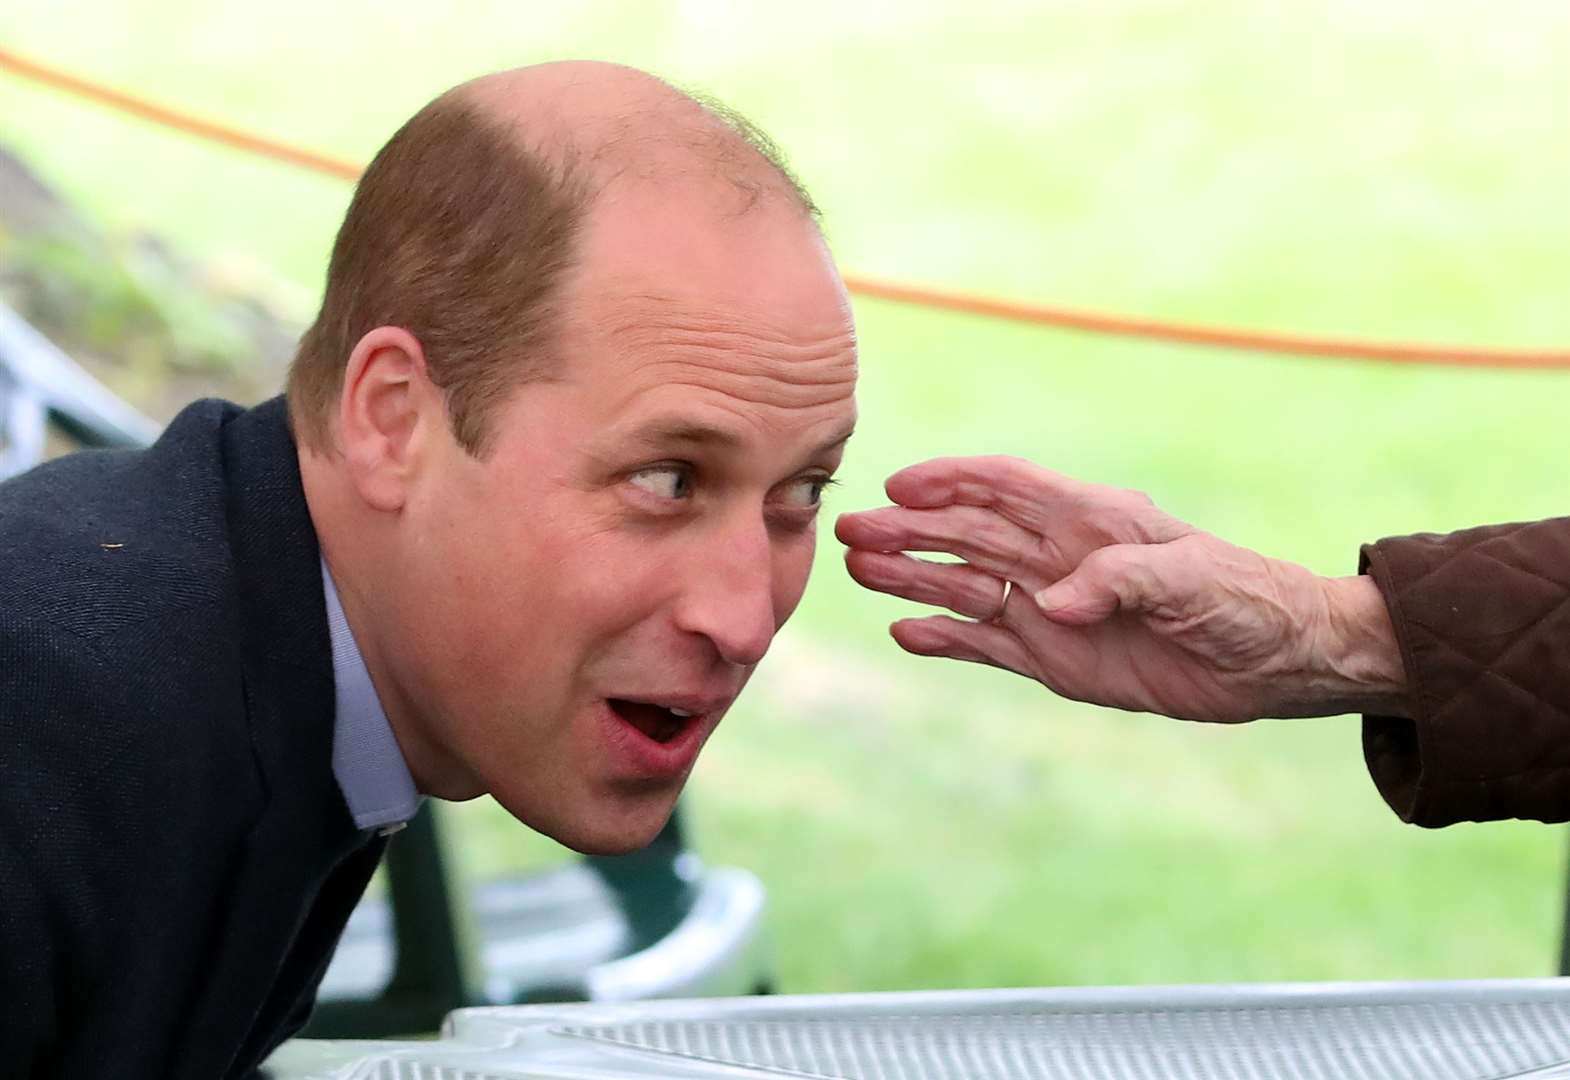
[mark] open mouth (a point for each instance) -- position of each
(656, 721)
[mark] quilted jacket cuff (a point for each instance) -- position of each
(1482, 617)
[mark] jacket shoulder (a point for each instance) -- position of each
(119, 654)
(98, 539)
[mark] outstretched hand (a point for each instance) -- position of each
(1114, 601)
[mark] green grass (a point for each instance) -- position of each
(1395, 170)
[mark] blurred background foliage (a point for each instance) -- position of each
(1395, 170)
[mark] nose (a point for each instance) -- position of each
(729, 597)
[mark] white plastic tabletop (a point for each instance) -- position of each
(1309, 1031)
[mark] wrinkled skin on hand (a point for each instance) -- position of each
(1116, 602)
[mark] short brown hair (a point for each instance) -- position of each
(461, 235)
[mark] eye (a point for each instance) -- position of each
(807, 491)
(664, 481)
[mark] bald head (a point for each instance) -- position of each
(614, 123)
(465, 224)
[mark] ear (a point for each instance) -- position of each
(387, 415)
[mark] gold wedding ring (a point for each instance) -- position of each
(1008, 588)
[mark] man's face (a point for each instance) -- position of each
(586, 602)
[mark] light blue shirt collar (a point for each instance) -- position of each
(367, 763)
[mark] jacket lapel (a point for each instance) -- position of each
(305, 830)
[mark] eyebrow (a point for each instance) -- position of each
(669, 431)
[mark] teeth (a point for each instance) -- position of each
(683, 713)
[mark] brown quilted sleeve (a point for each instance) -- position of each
(1483, 620)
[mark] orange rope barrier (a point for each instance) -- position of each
(1195, 334)
(171, 118)
(923, 296)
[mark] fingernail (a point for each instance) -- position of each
(1052, 598)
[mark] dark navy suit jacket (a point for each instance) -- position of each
(176, 859)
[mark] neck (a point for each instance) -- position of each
(352, 540)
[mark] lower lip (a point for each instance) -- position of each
(644, 758)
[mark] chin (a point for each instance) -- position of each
(605, 826)
(618, 837)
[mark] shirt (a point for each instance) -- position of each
(367, 762)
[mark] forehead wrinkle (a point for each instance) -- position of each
(650, 318)
(800, 364)
(806, 371)
(764, 387)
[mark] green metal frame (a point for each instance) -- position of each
(434, 969)
(436, 965)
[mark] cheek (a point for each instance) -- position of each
(495, 570)
(792, 565)
(608, 578)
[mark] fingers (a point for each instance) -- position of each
(961, 589)
(957, 639)
(1066, 660)
(1024, 492)
(986, 540)
(1035, 498)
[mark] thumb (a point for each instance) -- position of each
(1109, 579)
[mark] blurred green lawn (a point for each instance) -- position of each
(1397, 170)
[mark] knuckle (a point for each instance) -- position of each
(1126, 503)
(1113, 560)
(1020, 472)
(990, 534)
(1099, 559)
(1050, 556)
